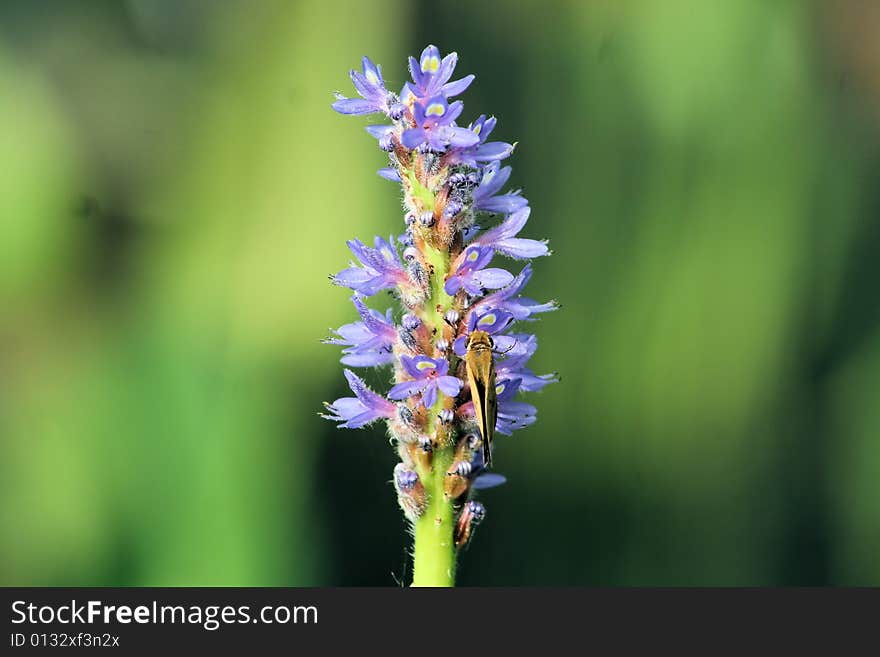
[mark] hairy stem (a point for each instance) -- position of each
(434, 551)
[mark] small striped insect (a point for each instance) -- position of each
(480, 367)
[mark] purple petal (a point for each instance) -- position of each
(354, 333)
(415, 71)
(458, 87)
(353, 277)
(360, 420)
(363, 87)
(488, 126)
(429, 395)
(454, 111)
(460, 346)
(504, 343)
(515, 287)
(413, 137)
(376, 323)
(488, 480)
(347, 407)
(522, 249)
(460, 137)
(502, 204)
(369, 398)
(409, 366)
(450, 385)
(535, 382)
(508, 228)
(354, 106)
(409, 94)
(421, 366)
(378, 131)
(389, 173)
(368, 67)
(405, 389)
(368, 359)
(471, 285)
(444, 72)
(365, 408)
(493, 180)
(452, 285)
(522, 308)
(493, 278)
(522, 345)
(513, 224)
(386, 249)
(506, 390)
(476, 257)
(516, 410)
(514, 415)
(535, 307)
(492, 322)
(494, 150)
(430, 52)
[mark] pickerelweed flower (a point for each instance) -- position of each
(457, 220)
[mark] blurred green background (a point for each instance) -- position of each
(175, 190)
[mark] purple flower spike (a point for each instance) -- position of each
(368, 343)
(439, 269)
(361, 410)
(473, 276)
(371, 87)
(429, 374)
(380, 268)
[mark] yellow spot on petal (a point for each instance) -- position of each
(425, 365)
(487, 319)
(473, 255)
(430, 64)
(372, 78)
(435, 109)
(478, 128)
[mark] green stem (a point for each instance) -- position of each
(434, 550)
